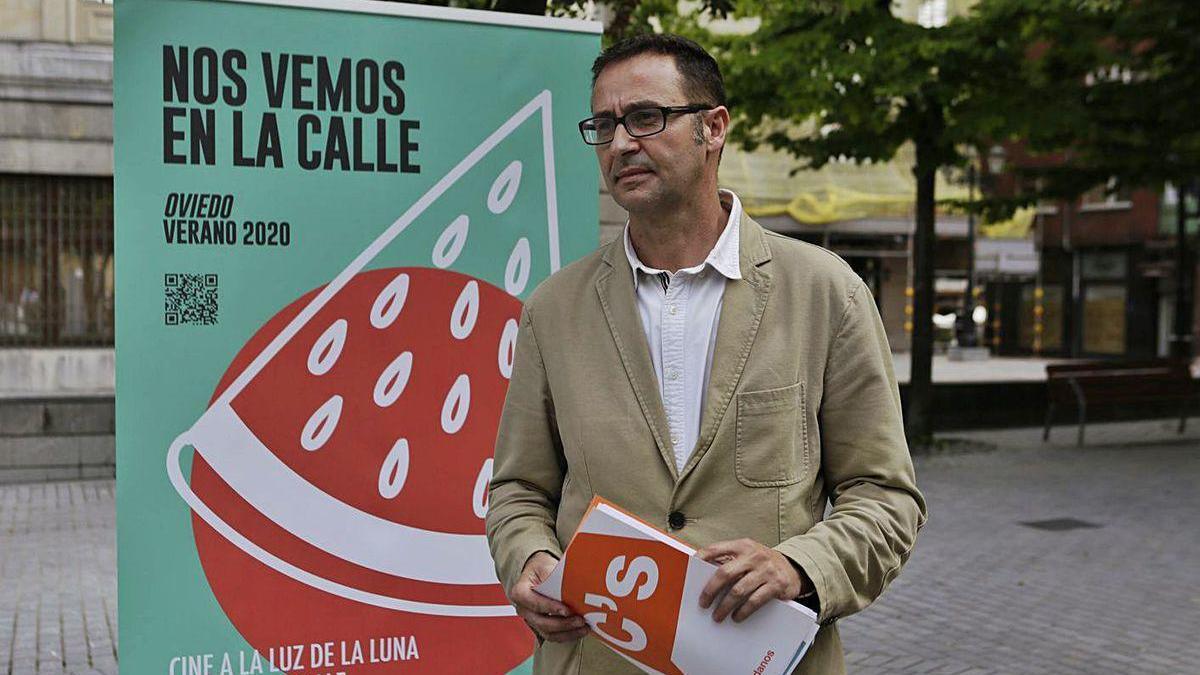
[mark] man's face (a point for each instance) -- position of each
(653, 172)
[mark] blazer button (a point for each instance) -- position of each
(676, 520)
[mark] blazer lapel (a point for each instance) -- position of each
(741, 313)
(615, 287)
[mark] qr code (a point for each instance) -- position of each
(190, 299)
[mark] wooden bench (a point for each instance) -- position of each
(1118, 382)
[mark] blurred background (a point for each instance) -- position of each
(1015, 180)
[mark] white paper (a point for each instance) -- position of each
(771, 642)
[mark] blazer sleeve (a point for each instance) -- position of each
(527, 473)
(854, 553)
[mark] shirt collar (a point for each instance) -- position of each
(724, 254)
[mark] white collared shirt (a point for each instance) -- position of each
(680, 321)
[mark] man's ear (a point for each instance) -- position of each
(716, 127)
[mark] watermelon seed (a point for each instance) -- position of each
(479, 496)
(504, 188)
(394, 471)
(326, 350)
(451, 242)
(321, 425)
(466, 311)
(516, 273)
(508, 346)
(389, 302)
(454, 409)
(393, 379)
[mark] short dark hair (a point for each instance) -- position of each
(702, 81)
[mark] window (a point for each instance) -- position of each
(1104, 265)
(56, 260)
(1104, 319)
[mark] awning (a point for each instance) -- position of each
(845, 198)
(947, 226)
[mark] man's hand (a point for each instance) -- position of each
(550, 619)
(750, 574)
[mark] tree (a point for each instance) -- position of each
(846, 79)
(1125, 76)
(622, 18)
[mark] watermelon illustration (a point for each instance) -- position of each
(339, 478)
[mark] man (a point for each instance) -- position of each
(716, 379)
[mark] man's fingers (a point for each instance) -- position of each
(737, 595)
(722, 549)
(725, 576)
(526, 598)
(547, 617)
(548, 625)
(757, 599)
(555, 629)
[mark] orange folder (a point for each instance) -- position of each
(639, 588)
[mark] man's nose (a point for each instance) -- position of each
(622, 143)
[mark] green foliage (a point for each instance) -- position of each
(1100, 88)
(824, 80)
(625, 17)
(1124, 78)
(633, 17)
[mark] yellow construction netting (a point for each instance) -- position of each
(841, 190)
(1017, 227)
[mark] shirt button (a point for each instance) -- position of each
(676, 520)
(673, 310)
(674, 439)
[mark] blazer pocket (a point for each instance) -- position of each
(772, 437)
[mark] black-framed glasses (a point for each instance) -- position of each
(638, 123)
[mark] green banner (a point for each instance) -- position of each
(328, 214)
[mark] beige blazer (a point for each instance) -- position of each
(802, 410)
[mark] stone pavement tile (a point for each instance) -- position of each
(903, 663)
(856, 657)
(875, 660)
(951, 669)
(985, 591)
(57, 555)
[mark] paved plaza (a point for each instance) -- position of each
(1103, 581)
(985, 592)
(58, 579)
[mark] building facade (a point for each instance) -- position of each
(56, 165)
(1106, 285)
